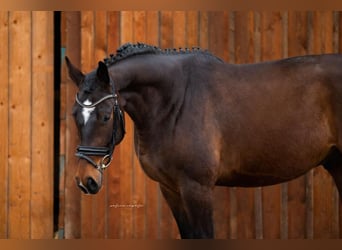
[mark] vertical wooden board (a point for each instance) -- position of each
(297, 209)
(221, 208)
(339, 22)
(113, 31)
(126, 197)
(192, 29)
(271, 48)
(323, 31)
(100, 32)
(166, 29)
(72, 216)
(339, 50)
(113, 192)
(244, 53)
(99, 203)
(271, 36)
(19, 125)
(139, 194)
(166, 41)
(126, 27)
(298, 43)
(203, 29)
(61, 185)
(42, 126)
(4, 107)
(63, 29)
(335, 28)
(152, 27)
(113, 173)
(297, 196)
(62, 106)
(244, 37)
(87, 40)
(139, 32)
(179, 29)
(62, 129)
(218, 30)
(62, 126)
(152, 188)
(271, 212)
(325, 211)
(87, 64)
(218, 45)
(126, 152)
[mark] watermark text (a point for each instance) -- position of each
(126, 206)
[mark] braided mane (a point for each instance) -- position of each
(128, 50)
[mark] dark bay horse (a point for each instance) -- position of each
(200, 122)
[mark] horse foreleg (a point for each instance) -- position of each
(197, 200)
(176, 205)
(192, 209)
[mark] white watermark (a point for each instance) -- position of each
(126, 206)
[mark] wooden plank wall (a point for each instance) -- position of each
(307, 207)
(26, 125)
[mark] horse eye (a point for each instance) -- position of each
(106, 118)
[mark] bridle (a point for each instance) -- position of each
(85, 152)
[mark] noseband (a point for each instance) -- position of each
(85, 152)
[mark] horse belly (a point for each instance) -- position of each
(237, 179)
(263, 174)
(272, 163)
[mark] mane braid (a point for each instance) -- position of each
(129, 50)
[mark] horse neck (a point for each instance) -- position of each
(147, 87)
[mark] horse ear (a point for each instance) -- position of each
(75, 74)
(102, 73)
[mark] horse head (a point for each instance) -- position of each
(100, 124)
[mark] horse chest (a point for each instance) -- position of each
(152, 166)
(163, 163)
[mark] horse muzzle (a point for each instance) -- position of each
(90, 186)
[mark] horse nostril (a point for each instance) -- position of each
(81, 186)
(84, 190)
(92, 186)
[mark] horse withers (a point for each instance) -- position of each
(201, 122)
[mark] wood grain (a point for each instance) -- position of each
(20, 113)
(72, 205)
(42, 126)
(4, 114)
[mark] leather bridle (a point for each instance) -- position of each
(85, 152)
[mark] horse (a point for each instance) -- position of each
(200, 122)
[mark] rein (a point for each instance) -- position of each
(85, 152)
